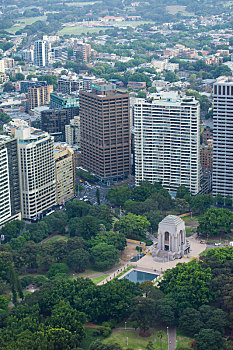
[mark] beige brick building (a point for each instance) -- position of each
(65, 176)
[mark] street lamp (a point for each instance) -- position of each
(125, 325)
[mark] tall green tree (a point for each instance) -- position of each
(78, 260)
(132, 226)
(143, 313)
(215, 222)
(188, 285)
(104, 256)
(118, 195)
(207, 339)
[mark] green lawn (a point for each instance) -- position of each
(98, 279)
(57, 238)
(79, 30)
(86, 273)
(90, 338)
(21, 23)
(139, 343)
(77, 3)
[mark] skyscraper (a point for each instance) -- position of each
(10, 205)
(5, 206)
(37, 171)
(41, 49)
(167, 142)
(222, 137)
(54, 121)
(105, 132)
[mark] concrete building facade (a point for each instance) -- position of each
(167, 142)
(72, 132)
(37, 171)
(5, 203)
(222, 137)
(65, 175)
(10, 204)
(41, 52)
(39, 96)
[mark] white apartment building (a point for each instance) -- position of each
(167, 142)
(10, 205)
(37, 171)
(41, 49)
(223, 137)
(2, 66)
(5, 203)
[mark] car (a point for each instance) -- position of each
(217, 244)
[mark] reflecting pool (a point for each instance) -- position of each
(139, 276)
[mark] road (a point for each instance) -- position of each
(171, 338)
(90, 192)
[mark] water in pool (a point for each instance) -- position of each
(139, 276)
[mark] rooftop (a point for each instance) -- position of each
(224, 80)
(171, 220)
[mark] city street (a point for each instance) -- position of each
(89, 193)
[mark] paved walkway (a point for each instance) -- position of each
(147, 263)
(195, 249)
(115, 273)
(171, 331)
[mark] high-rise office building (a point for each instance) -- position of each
(39, 96)
(222, 137)
(41, 49)
(10, 206)
(167, 142)
(37, 171)
(65, 176)
(105, 132)
(54, 121)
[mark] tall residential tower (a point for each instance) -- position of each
(41, 50)
(37, 171)
(10, 205)
(167, 142)
(223, 137)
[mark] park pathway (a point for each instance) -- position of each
(171, 338)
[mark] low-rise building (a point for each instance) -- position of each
(72, 131)
(39, 96)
